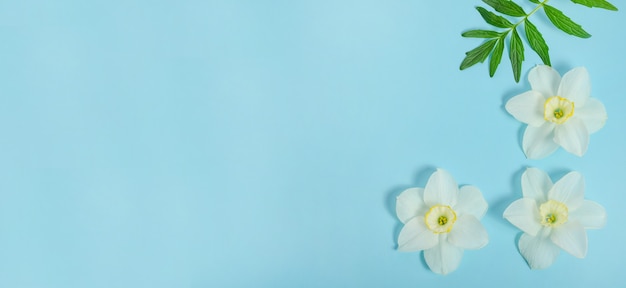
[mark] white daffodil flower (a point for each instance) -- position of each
(442, 220)
(558, 111)
(553, 217)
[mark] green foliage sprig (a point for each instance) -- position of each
(494, 45)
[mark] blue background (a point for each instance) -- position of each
(263, 143)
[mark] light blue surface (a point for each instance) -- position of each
(262, 143)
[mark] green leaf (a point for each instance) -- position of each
(596, 3)
(516, 54)
(496, 56)
(478, 54)
(507, 7)
(564, 23)
(494, 19)
(534, 1)
(537, 42)
(481, 34)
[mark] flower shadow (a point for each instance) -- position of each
(420, 179)
(516, 239)
(510, 94)
(556, 174)
(496, 210)
(562, 67)
(507, 95)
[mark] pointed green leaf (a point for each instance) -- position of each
(536, 42)
(564, 23)
(516, 54)
(507, 7)
(494, 19)
(496, 57)
(596, 3)
(535, 1)
(478, 54)
(481, 34)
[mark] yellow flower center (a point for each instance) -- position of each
(440, 219)
(553, 213)
(558, 113)
(558, 109)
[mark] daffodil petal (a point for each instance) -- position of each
(524, 214)
(576, 86)
(410, 203)
(443, 258)
(545, 80)
(590, 214)
(538, 251)
(571, 237)
(527, 107)
(569, 190)
(468, 233)
(415, 236)
(471, 202)
(539, 142)
(441, 189)
(593, 114)
(536, 184)
(572, 136)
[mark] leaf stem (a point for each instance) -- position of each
(544, 2)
